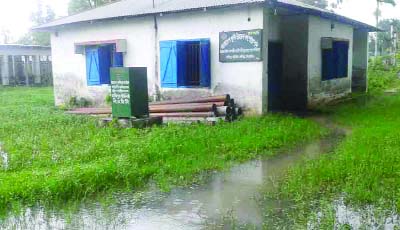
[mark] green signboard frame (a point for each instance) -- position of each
(241, 46)
(129, 92)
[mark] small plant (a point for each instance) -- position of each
(108, 99)
(75, 102)
(63, 107)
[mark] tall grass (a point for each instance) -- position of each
(382, 76)
(54, 156)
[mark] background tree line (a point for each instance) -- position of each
(76, 6)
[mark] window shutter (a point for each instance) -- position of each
(168, 64)
(328, 64)
(205, 63)
(92, 66)
(182, 62)
(341, 56)
(105, 64)
(118, 59)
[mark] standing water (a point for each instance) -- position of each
(233, 192)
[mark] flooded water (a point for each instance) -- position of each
(232, 192)
(368, 217)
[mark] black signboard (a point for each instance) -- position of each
(240, 46)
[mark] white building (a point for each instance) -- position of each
(24, 64)
(268, 54)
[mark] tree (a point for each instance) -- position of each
(318, 3)
(388, 40)
(43, 14)
(377, 15)
(4, 35)
(76, 6)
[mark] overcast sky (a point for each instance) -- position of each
(14, 14)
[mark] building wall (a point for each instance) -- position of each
(242, 80)
(360, 61)
(322, 91)
(70, 69)
(274, 27)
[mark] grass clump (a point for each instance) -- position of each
(53, 156)
(365, 167)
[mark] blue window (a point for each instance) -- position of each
(99, 60)
(335, 59)
(185, 63)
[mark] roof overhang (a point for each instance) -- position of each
(326, 15)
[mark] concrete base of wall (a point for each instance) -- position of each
(326, 99)
(359, 80)
(324, 92)
(186, 93)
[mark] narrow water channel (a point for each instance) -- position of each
(232, 192)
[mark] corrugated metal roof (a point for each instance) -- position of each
(130, 8)
(301, 7)
(7, 46)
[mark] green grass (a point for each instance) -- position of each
(381, 76)
(380, 80)
(56, 157)
(365, 167)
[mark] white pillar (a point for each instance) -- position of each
(26, 72)
(5, 73)
(13, 69)
(36, 69)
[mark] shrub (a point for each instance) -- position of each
(381, 74)
(379, 80)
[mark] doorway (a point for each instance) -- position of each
(275, 69)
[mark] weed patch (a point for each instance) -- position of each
(381, 76)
